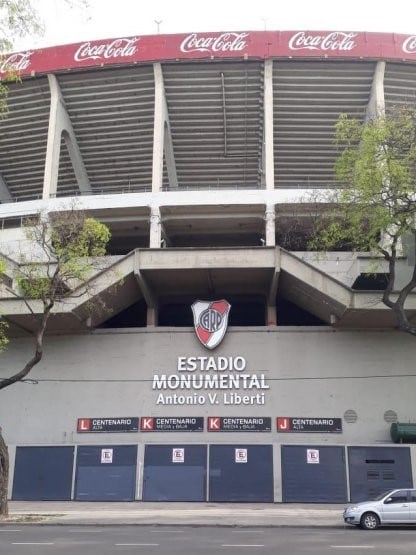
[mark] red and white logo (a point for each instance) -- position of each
(147, 424)
(210, 321)
(118, 48)
(15, 62)
(226, 42)
(409, 45)
(335, 40)
(214, 423)
(83, 425)
(283, 424)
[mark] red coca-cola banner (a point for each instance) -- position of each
(244, 45)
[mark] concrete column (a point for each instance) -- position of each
(155, 228)
(162, 138)
(60, 126)
(5, 195)
(271, 312)
(268, 149)
(376, 105)
(376, 108)
(271, 315)
(149, 297)
(270, 225)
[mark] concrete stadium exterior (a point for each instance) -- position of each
(204, 154)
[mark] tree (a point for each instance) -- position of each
(19, 18)
(375, 207)
(64, 247)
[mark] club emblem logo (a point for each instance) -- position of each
(210, 321)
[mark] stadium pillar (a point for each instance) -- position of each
(60, 126)
(5, 195)
(270, 224)
(268, 148)
(162, 139)
(155, 228)
(376, 104)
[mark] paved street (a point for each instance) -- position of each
(161, 540)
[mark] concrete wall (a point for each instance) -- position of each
(311, 372)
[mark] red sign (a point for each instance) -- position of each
(83, 425)
(211, 321)
(214, 424)
(108, 424)
(243, 45)
(146, 423)
(283, 424)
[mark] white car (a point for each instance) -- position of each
(397, 506)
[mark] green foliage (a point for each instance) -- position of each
(65, 247)
(376, 169)
(3, 323)
(18, 18)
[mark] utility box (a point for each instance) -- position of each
(403, 432)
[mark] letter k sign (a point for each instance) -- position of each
(214, 424)
(146, 424)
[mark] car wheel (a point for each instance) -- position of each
(369, 521)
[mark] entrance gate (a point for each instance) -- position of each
(106, 473)
(241, 473)
(313, 474)
(43, 474)
(374, 470)
(175, 473)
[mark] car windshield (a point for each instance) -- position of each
(379, 497)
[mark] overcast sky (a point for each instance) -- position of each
(118, 18)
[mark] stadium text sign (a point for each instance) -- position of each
(211, 380)
(309, 424)
(171, 424)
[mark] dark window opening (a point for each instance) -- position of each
(124, 245)
(371, 282)
(244, 312)
(212, 240)
(289, 314)
(134, 316)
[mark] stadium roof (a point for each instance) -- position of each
(215, 90)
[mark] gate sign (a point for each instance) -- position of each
(239, 424)
(241, 455)
(114, 424)
(106, 456)
(312, 456)
(171, 424)
(210, 321)
(309, 424)
(178, 455)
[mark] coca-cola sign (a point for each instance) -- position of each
(15, 63)
(226, 42)
(118, 48)
(259, 45)
(409, 45)
(335, 40)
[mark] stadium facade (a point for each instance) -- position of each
(234, 365)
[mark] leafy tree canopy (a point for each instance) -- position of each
(374, 208)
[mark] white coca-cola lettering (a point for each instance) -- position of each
(227, 42)
(335, 40)
(118, 48)
(409, 45)
(16, 62)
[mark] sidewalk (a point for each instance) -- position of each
(182, 514)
